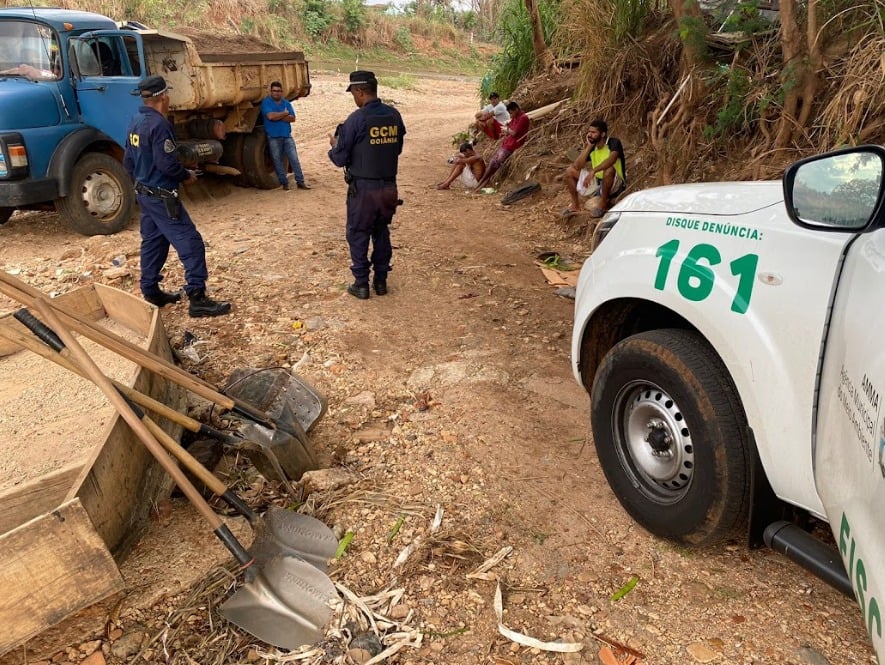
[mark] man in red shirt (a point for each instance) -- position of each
(514, 136)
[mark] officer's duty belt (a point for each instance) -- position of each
(158, 192)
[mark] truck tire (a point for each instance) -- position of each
(257, 164)
(101, 198)
(233, 156)
(5, 214)
(672, 437)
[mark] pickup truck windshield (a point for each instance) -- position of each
(30, 50)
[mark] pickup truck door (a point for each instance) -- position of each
(849, 455)
(107, 67)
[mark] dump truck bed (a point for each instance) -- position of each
(203, 80)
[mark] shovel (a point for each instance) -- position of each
(265, 449)
(284, 602)
(295, 457)
(278, 531)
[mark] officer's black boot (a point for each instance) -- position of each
(162, 298)
(202, 305)
(380, 287)
(360, 291)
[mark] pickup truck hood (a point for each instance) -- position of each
(25, 104)
(721, 198)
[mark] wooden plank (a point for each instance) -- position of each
(53, 566)
(23, 503)
(124, 308)
(121, 481)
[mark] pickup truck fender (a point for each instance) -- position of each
(71, 147)
(770, 350)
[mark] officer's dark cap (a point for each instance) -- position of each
(361, 77)
(152, 86)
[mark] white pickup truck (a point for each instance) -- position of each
(732, 339)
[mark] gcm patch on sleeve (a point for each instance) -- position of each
(169, 145)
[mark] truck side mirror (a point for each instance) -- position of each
(837, 191)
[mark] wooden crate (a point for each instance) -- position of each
(62, 535)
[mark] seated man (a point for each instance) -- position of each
(467, 164)
(514, 136)
(606, 176)
(492, 118)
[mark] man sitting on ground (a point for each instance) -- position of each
(606, 175)
(492, 118)
(466, 164)
(514, 136)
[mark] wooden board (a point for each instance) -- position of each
(60, 534)
(52, 567)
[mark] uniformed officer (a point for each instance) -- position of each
(368, 144)
(151, 162)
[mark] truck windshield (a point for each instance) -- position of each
(30, 50)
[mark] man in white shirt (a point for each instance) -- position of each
(493, 117)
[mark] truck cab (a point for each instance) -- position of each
(66, 79)
(728, 336)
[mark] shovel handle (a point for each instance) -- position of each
(222, 531)
(28, 295)
(61, 356)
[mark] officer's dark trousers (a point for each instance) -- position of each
(157, 233)
(370, 207)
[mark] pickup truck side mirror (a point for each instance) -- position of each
(837, 191)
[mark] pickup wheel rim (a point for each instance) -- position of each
(654, 442)
(102, 195)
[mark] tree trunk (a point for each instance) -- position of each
(802, 60)
(543, 54)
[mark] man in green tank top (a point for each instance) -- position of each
(600, 170)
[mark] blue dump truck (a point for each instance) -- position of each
(66, 83)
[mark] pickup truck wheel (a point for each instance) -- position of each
(257, 163)
(672, 437)
(101, 197)
(5, 214)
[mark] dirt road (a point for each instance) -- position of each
(453, 391)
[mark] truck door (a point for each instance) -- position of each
(108, 65)
(846, 190)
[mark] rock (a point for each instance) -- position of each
(117, 272)
(368, 642)
(326, 480)
(365, 398)
(398, 612)
(811, 656)
(701, 653)
(376, 433)
(128, 645)
(95, 658)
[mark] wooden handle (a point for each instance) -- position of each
(28, 295)
(62, 358)
(142, 432)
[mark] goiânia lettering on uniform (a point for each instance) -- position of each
(133, 140)
(725, 229)
(383, 134)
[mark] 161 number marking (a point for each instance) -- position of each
(695, 279)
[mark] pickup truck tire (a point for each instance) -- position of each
(101, 198)
(5, 214)
(672, 437)
(257, 164)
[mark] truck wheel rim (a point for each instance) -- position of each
(654, 442)
(102, 195)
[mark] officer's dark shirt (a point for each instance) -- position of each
(355, 128)
(150, 151)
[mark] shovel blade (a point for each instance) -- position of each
(275, 450)
(282, 395)
(286, 603)
(284, 532)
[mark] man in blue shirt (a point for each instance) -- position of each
(150, 161)
(368, 145)
(278, 117)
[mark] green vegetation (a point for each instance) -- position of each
(517, 56)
